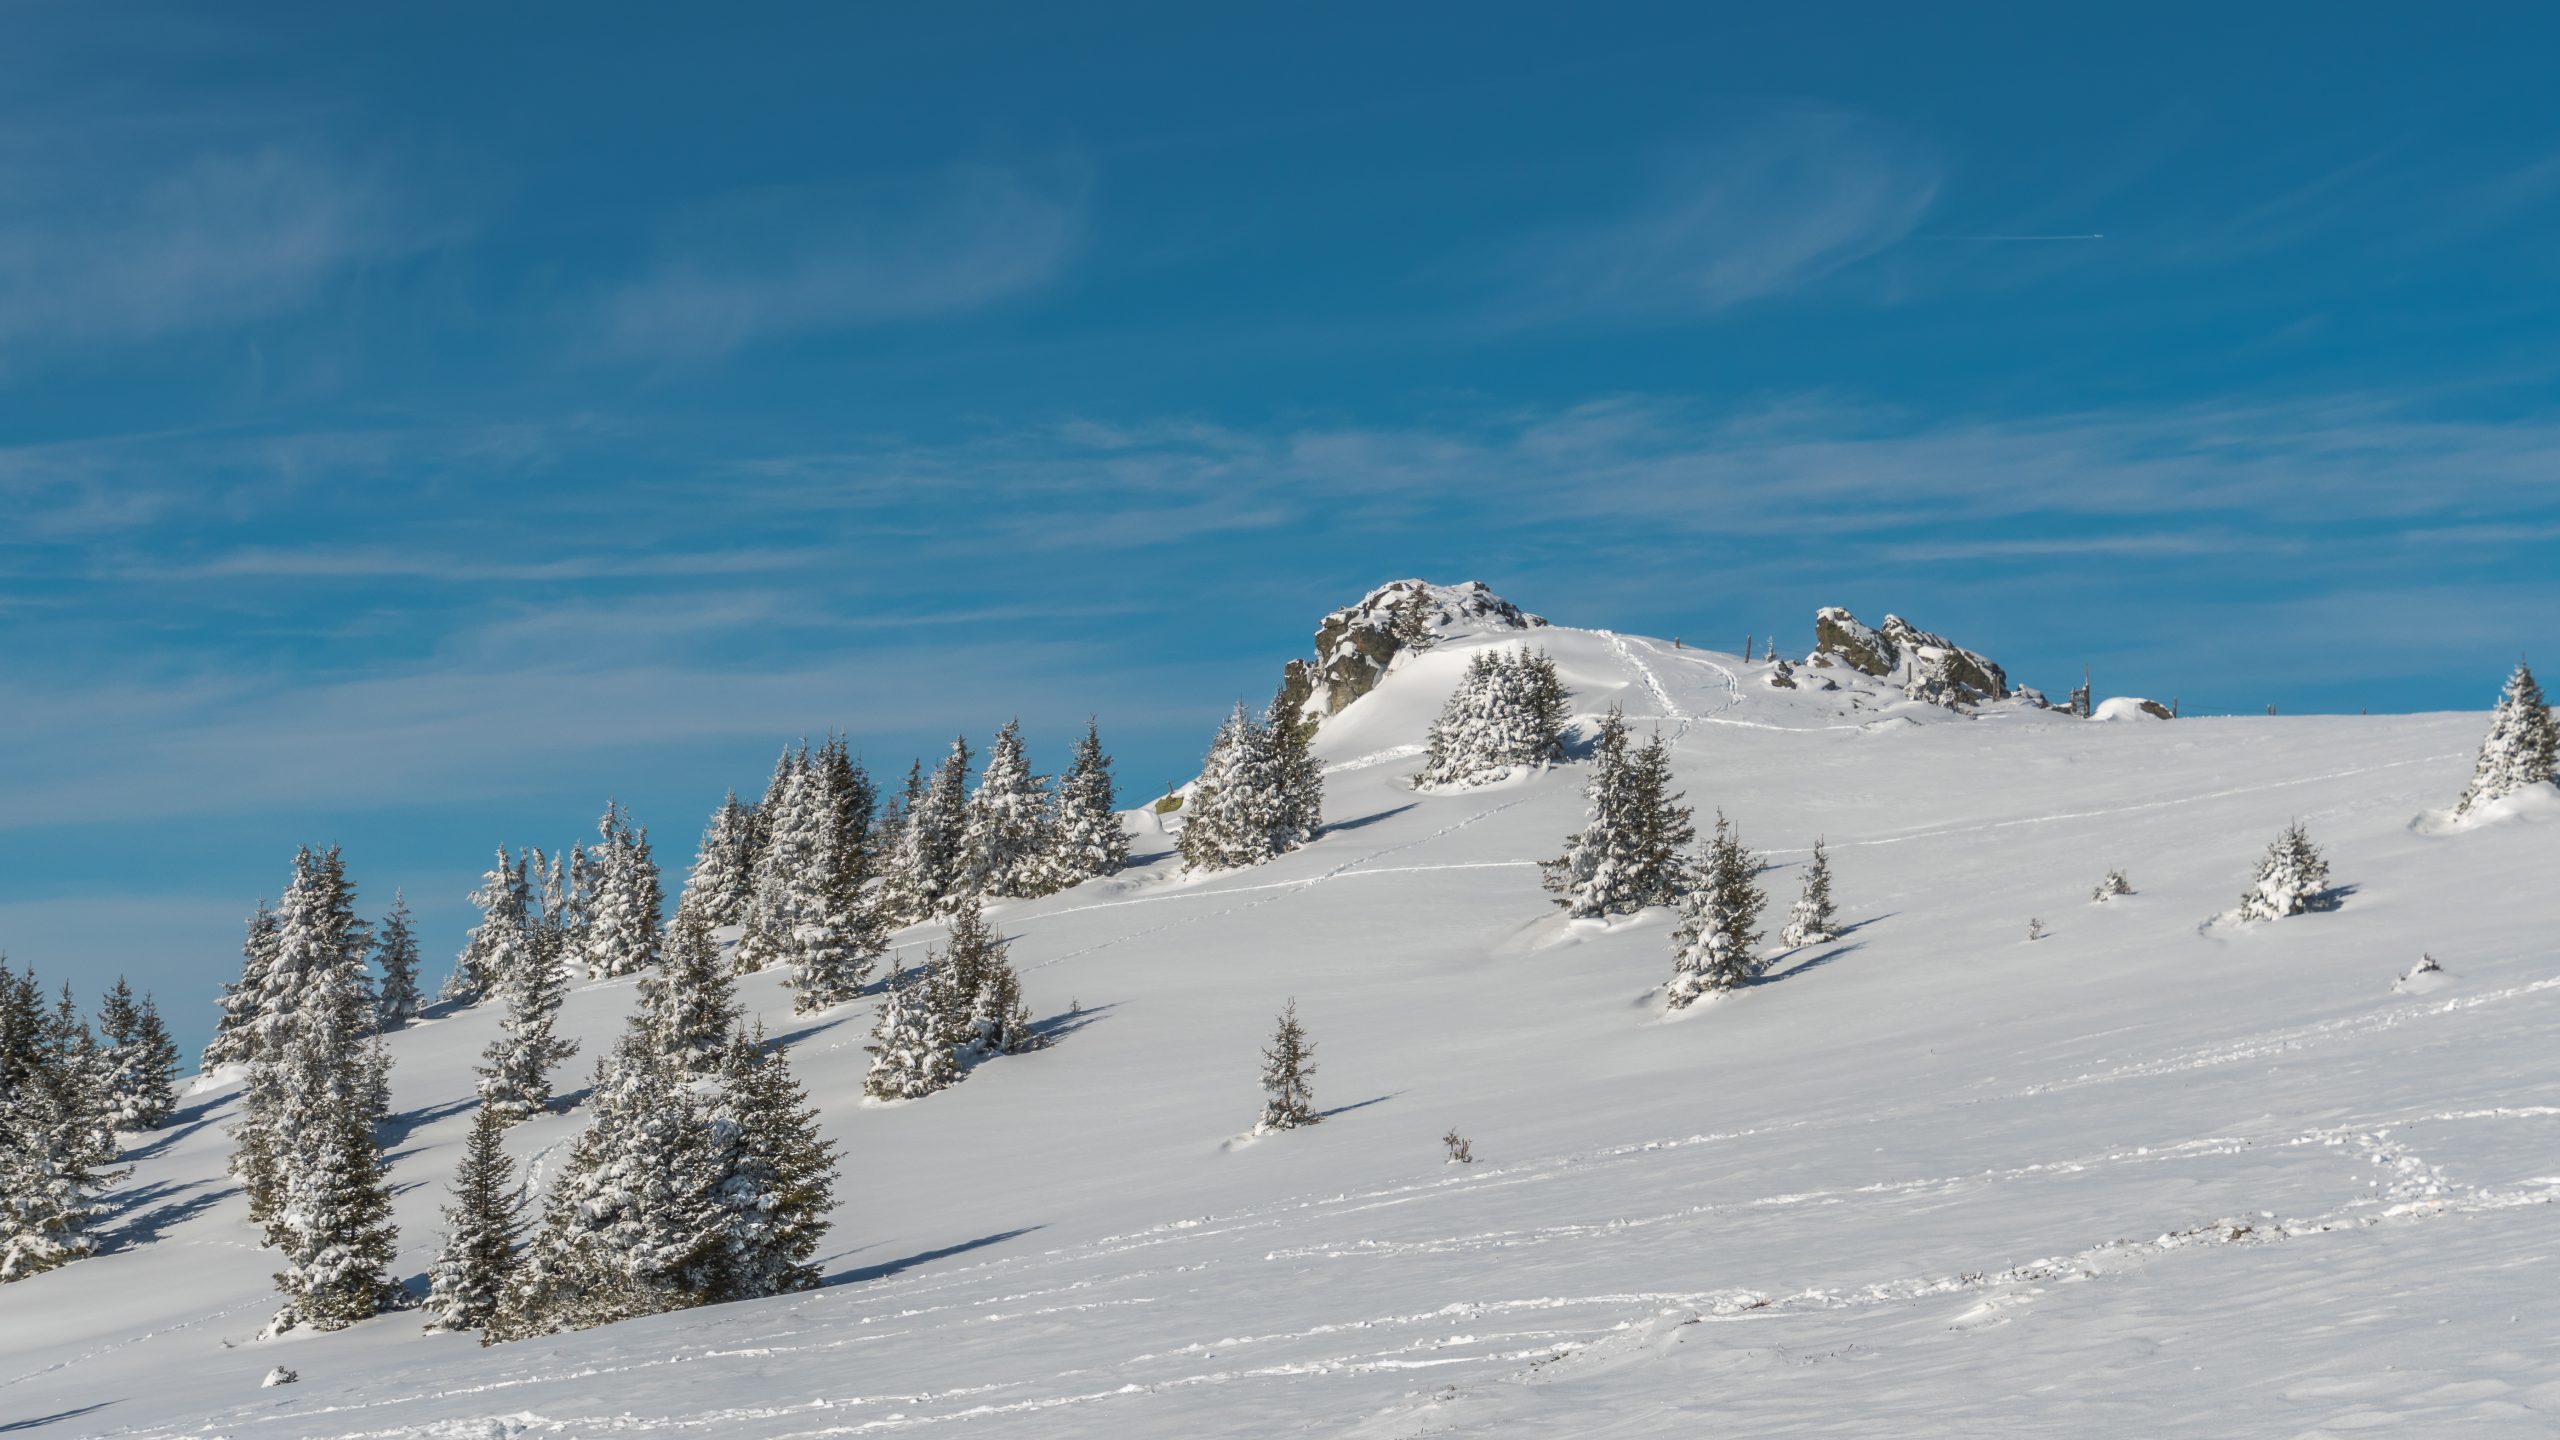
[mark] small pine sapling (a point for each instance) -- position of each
(1288, 1065)
(2112, 886)
(1461, 1151)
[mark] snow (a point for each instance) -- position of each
(2137, 1178)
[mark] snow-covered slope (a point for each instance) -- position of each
(2136, 1177)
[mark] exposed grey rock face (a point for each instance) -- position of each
(1356, 644)
(1931, 667)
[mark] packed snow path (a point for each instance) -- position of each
(2127, 1179)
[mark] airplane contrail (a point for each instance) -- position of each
(2016, 237)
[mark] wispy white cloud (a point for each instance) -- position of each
(217, 240)
(1772, 206)
(778, 263)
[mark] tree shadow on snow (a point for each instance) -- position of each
(1357, 1105)
(405, 1123)
(1059, 1027)
(887, 1268)
(792, 1038)
(1854, 926)
(150, 1211)
(1365, 821)
(170, 1134)
(1138, 861)
(1815, 961)
(8, 1427)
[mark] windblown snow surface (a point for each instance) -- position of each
(2143, 1176)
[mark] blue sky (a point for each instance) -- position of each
(419, 423)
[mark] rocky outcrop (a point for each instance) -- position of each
(1929, 667)
(1358, 644)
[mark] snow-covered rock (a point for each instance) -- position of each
(1357, 645)
(1929, 667)
(2129, 707)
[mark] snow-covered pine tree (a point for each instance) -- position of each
(1086, 840)
(1234, 816)
(723, 874)
(1812, 921)
(1299, 775)
(483, 1232)
(503, 888)
(1288, 1069)
(395, 951)
(515, 1071)
(689, 1005)
(836, 931)
(2293, 877)
(1005, 840)
(2522, 746)
(238, 1023)
(57, 1131)
(786, 831)
(1603, 870)
(1506, 715)
(1712, 950)
(624, 899)
(630, 1226)
(307, 1058)
(1665, 830)
(2109, 886)
(318, 1086)
(900, 894)
(980, 994)
(938, 834)
(140, 1061)
(911, 1046)
(776, 1175)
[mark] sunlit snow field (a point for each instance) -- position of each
(2139, 1177)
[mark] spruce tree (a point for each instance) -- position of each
(1299, 775)
(981, 996)
(396, 952)
(1288, 1067)
(776, 1175)
(1604, 868)
(1236, 813)
(1506, 715)
(237, 1028)
(785, 832)
(2109, 886)
(1711, 951)
(2522, 746)
(1664, 829)
(503, 892)
(57, 1131)
(723, 874)
(318, 1086)
(515, 1071)
(619, 923)
(1087, 839)
(900, 852)
(483, 1232)
(308, 1060)
(630, 1226)
(835, 931)
(141, 1063)
(939, 833)
(1005, 841)
(2293, 877)
(1812, 921)
(689, 1005)
(911, 1045)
